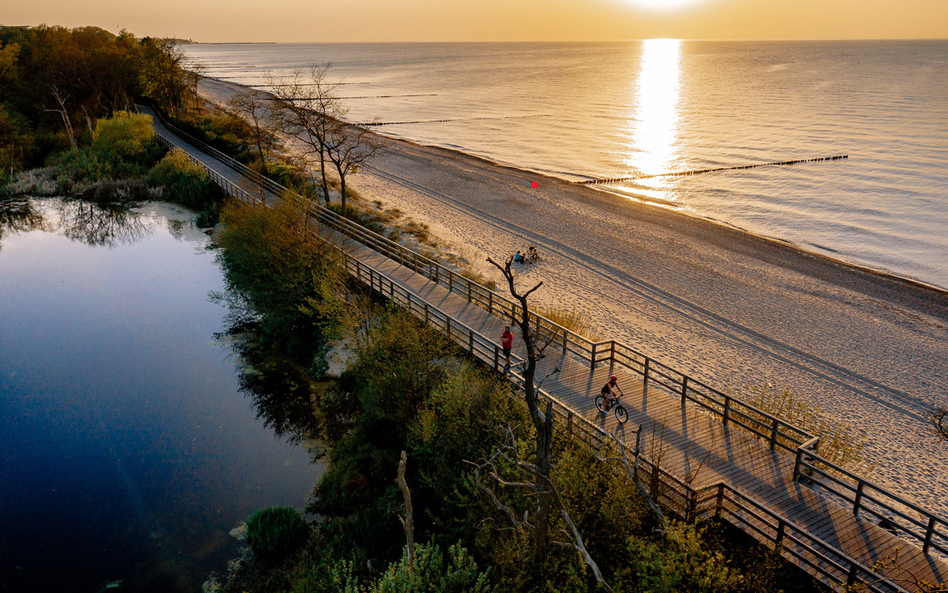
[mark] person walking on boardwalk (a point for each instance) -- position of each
(506, 342)
(609, 391)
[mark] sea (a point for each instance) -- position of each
(654, 116)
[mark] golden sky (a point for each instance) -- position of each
(492, 20)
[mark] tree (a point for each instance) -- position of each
(256, 109)
(310, 112)
(348, 147)
(542, 422)
(302, 112)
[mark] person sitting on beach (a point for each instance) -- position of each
(518, 258)
(609, 391)
(532, 255)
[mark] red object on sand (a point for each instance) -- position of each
(534, 185)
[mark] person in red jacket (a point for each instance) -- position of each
(506, 342)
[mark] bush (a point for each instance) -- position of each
(682, 562)
(276, 531)
(126, 143)
(185, 182)
(428, 573)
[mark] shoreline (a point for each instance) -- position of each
(720, 303)
(671, 207)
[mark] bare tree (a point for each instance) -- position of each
(64, 114)
(542, 422)
(253, 106)
(940, 421)
(303, 109)
(510, 454)
(310, 112)
(348, 147)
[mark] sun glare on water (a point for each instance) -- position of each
(653, 132)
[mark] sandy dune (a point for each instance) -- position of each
(720, 304)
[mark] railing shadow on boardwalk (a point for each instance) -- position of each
(819, 557)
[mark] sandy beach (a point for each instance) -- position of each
(727, 307)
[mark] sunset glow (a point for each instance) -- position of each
(495, 20)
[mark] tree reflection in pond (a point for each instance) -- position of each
(105, 225)
(281, 392)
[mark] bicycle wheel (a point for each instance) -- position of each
(621, 415)
(601, 403)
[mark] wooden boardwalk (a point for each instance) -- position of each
(707, 467)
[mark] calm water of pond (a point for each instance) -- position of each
(129, 448)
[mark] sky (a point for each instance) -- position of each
(491, 20)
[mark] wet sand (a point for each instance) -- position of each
(724, 306)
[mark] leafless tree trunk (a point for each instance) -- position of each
(542, 422)
(407, 521)
(348, 147)
(64, 114)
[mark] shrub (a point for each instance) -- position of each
(185, 182)
(682, 562)
(276, 531)
(429, 573)
(126, 143)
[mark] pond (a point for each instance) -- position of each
(131, 447)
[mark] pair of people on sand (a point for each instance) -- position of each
(531, 256)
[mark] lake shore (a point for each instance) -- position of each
(725, 306)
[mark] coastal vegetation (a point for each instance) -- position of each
(409, 389)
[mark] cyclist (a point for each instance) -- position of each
(609, 391)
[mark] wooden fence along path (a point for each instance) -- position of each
(703, 454)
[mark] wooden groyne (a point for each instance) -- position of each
(611, 180)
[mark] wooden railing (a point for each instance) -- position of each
(896, 513)
(690, 504)
(810, 552)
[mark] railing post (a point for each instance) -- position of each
(569, 423)
(470, 341)
(469, 298)
(426, 313)
(719, 503)
(450, 281)
(645, 372)
(928, 535)
(684, 390)
(858, 501)
(781, 528)
(727, 409)
(851, 579)
(773, 434)
(592, 359)
(692, 509)
(490, 302)
(447, 325)
(496, 353)
(796, 465)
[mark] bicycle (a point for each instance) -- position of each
(621, 414)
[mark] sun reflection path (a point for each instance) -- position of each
(654, 130)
